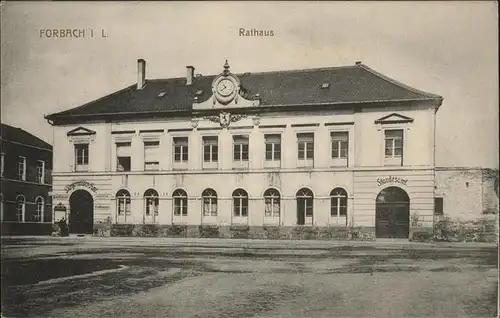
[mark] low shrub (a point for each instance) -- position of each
(446, 229)
(102, 230)
(239, 232)
(146, 230)
(421, 236)
(175, 230)
(272, 232)
(122, 229)
(357, 234)
(208, 231)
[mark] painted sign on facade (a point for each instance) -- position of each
(391, 179)
(84, 184)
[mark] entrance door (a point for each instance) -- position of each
(301, 211)
(81, 217)
(392, 214)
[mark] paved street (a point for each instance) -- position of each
(142, 277)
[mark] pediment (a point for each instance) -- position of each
(80, 131)
(394, 118)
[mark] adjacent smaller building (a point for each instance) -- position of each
(26, 169)
(466, 193)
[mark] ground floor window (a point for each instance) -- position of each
(338, 202)
(240, 203)
(209, 197)
(305, 201)
(20, 207)
(272, 203)
(151, 203)
(38, 217)
(180, 202)
(123, 202)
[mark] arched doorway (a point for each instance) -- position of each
(392, 213)
(81, 217)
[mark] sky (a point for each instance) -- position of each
(447, 48)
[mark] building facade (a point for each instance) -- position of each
(26, 166)
(330, 147)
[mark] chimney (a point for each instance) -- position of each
(141, 73)
(358, 63)
(189, 75)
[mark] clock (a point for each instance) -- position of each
(225, 87)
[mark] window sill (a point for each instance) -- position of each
(272, 164)
(338, 162)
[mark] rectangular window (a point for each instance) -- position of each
(21, 171)
(340, 144)
(2, 163)
(240, 148)
(181, 149)
(438, 206)
(210, 149)
(273, 147)
(123, 156)
(40, 171)
(305, 146)
(394, 143)
(151, 155)
(81, 156)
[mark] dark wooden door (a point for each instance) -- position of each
(301, 211)
(392, 220)
(81, 218)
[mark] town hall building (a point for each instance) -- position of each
(327, 147)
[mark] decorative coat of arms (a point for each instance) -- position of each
(225, 118)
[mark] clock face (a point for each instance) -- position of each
(225, 87)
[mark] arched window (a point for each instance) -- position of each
(272, 203)
(20, 207)
(305, 201)
(151, 202)
(209, 197)
(38, 217)
(180, 202)
(123, 202)
(338, 202)
(240, 203)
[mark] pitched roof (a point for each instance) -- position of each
(348, 85)
(10, 133)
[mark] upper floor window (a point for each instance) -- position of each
(81, 156)
(240, 148)
(123, 156)
(210, 149)
(273, 147)
(151, 155)
(340, 143)
(394, 143)
(181, 149)
(40, 171)
(21, 168)
(305, 148)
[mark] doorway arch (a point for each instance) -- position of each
(81, 216)
(392, 215)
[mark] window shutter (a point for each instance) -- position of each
(123, 149)
(151, 151)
